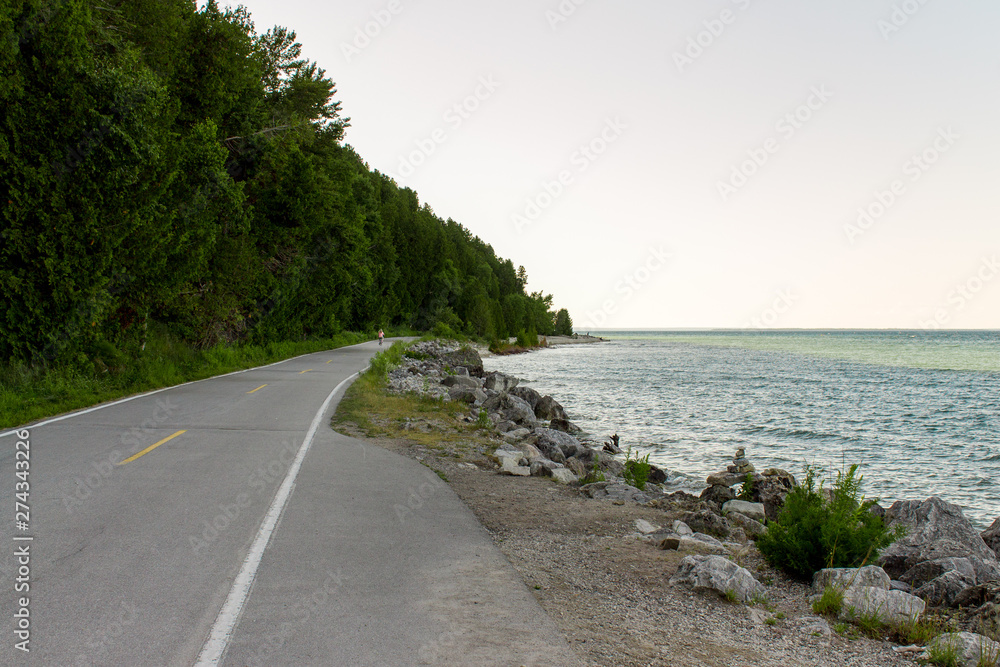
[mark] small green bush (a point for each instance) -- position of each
(746, 491)
(636, 470)
(811, 534)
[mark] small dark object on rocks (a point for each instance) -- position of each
(656, 475)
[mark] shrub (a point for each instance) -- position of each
(811, 534)
(746, 491)
(636, 470)
(442, 330)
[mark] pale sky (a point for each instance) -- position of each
(713, 155)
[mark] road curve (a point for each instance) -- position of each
(210, 524)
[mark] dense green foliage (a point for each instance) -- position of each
(167, 167)
(564, 324)
(812, 533)
(28, 393)
(636, 470)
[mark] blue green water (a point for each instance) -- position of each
(918, 410)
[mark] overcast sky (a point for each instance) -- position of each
(733, 163)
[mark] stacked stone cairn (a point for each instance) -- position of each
(768, 489)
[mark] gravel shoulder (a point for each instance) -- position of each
(608, 590)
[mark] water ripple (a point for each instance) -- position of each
(922, 424)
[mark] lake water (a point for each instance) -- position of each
(919, 410)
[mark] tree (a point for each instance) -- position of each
(564, 325)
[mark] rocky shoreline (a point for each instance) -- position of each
(943, 566)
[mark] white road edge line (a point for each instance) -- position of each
(157, 391)
(218, 639)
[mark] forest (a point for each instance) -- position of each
(170, 171)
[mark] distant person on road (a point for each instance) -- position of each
(380, 337)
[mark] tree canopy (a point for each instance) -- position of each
(165, 165)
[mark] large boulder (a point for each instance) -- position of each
(530, 396)
(565, 425)
(467, 395)
(717, 494)
(718, 574)
(544, 467)
(511, 408)
(929, 570)
(944, 590)
(845, 577)
(466, 357)
(551, 441)
(890, 607)
(461, 381)
(771, 491)
(548, 408)
(936, 529)
(656, 475)
(992, 537)
(707, 521)
(753, 510)
(617, 492)
(971, 649)
(724, 479)
(499, 382)
(751, 527)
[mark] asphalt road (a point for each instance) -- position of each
(248, 532)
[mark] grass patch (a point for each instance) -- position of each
(921, 631)
(944, 653)
(30, 393)
(368, 406)
(871, 625)
(830, 603)
(594, 474)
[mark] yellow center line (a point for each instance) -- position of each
(151, 447)
(257, 389)
(305, 371)
(329, 361)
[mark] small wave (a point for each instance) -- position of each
(805, 434)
